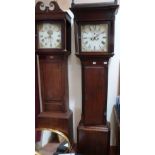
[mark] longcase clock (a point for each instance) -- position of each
(94, 42)
(53, 46)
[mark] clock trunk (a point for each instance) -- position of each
(54, 83)
(94, 92)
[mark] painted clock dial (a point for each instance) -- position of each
(49, 35)
(94, 38)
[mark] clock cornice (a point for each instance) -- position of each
(103, 11)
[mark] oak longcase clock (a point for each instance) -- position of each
(94, 42)
(53, 46)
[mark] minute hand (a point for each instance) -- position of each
(99, 34)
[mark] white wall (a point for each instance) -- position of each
(113, 77)
(74, 65)
(75, 89)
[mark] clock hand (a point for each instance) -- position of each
(50, 32)
(98, 34)
(51, 40)
(92, 38)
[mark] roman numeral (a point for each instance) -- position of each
(103, 42)
(94, 27)
(99, 28)
(86, 42)
(90, 28)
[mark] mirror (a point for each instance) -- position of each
(51, 142)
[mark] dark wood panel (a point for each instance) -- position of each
(93, 140)
(95, 94)
(52, 80)
(52, 72)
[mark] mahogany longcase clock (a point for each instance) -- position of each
(53, 46)
(94, 40)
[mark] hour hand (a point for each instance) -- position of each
(99, 34)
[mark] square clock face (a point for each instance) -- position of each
(49, 36)
(94, 38)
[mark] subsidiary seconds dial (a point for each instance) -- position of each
(94, 38)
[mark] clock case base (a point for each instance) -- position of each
(57, 120)
(93, 140)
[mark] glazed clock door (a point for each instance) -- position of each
(52, 74)
(95, 93)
